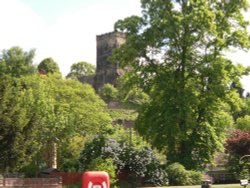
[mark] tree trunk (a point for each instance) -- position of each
(53, 159)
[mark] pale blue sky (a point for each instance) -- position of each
(51, 10)
(62, 29)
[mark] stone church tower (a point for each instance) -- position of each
(107, 72)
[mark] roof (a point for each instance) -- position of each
(49, 170)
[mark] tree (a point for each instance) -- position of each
(69, 108)
(81, 69)
(69, 152)
(40, 114)
(15, 62)
(48, 65)
(237, 145)
(245, 110)
(176, 54)
(18, 124)
(108, 93)
(243, 123)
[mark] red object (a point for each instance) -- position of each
(95, 179)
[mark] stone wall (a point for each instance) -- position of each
(30, 183)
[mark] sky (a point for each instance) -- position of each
(66, 29)
(62, 29)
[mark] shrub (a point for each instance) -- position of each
(136, 96)
(91, 151)
(178, 175)
(145, 167)
(106, 165)
(108, 93)
(140, 163)
(236, 146)
(194, 178)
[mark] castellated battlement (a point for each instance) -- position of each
(110, 35)
(105, 43)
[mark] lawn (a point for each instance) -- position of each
(199, 186)
(196, 186)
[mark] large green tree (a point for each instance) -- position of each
(80, 69)
(16, 62)
(18, 123)
(176, 51)
(40, 114)
(48, 66)
(67, 108)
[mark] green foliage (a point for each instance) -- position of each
(194, 177)
(178, 175)
(105, 165)
(48, 66)
(31, 170)
(245, 172)
(108, 93)
(175, 52)
(18, 124)
(81, 69)
(243, 123)
(38, 111)
(244, 107)
(136, 96)
(144, 167)
(139, 162)
(72, 185)
(90, 151)
(129, 92)
(69, 104)
(128, 137)
(236, 147)
(69, 152)
(70, 108)
(122, 114)
(16, 63)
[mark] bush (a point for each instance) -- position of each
(108, 93)
(100, 147)
(106, 165)
(178, 175)
(140, 163)
(137, 97)
(145, 167)
(194, 177)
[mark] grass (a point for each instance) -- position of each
(124, 114)
(196, 186)
(199, 186)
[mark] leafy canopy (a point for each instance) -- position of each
(81, 69)
(176, 51)
(39, 110)
(48, 66)
(15, 62)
